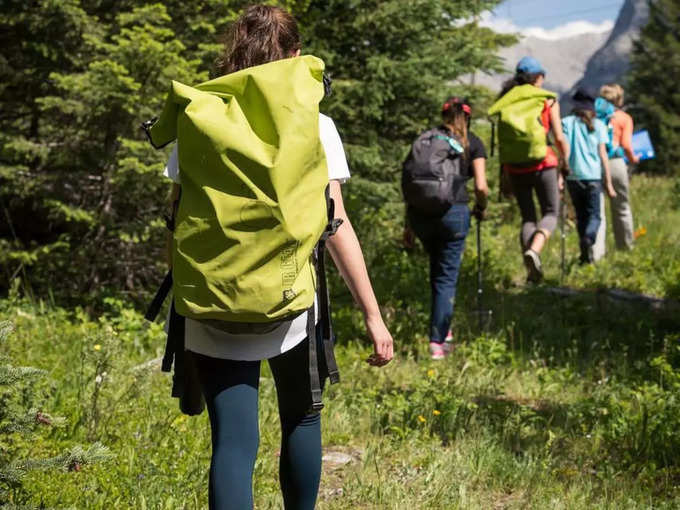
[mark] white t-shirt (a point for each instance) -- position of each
(215, 343)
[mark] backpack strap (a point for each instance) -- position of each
(166, 285)
(314, 378)
(327, 85)
(159, 298)
(322, 292)
(323, 300)
(325, 309)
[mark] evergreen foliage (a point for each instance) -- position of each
(81, 194)
(18, 423)
(393, 64)
(653, 82)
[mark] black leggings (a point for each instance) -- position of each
(544, 182)
(231, 394)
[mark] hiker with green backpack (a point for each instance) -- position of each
(526, 115)
(256, 200)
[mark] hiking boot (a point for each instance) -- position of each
(587, 252)
(437, 351)
(533, 263)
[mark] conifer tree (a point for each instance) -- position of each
(81, 192)
(19, 424)
(653, 83)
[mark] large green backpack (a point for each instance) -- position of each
(521, 134)
(253, 204)
(254, 212)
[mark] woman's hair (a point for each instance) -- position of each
(455, 117)
(518, 79)
(586, 116)
(613, 92)
(261, 34)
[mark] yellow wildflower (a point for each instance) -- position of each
(421, 418)
(436, 413)
(642, 231)
(430, 373)
(97, 347)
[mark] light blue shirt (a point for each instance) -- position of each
(584, 158)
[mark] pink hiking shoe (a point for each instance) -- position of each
(437, 351)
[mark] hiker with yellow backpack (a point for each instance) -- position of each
(526, 115)
(256, 200)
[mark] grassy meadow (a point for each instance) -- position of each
(560, 402)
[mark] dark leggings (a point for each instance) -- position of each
(231, 394)
(544, 182)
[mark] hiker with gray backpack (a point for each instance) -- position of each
(434, 178)
(257, 174)
(526, 115)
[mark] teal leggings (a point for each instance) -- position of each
(231, 393)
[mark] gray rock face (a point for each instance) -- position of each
(611, 62)
(564, 60)
(587, 60)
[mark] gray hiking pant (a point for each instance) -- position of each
(621, 214)
(545, 185)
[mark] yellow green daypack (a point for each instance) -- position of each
(253, 176)
(521, 134)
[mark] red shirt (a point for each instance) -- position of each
(550, 160)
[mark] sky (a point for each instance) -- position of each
(552, 19)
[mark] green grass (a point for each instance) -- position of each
(653, 267)
(563, 403)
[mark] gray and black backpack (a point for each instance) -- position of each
(432, 172)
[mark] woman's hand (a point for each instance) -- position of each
(560, 181)
(346, 252)
(610, 190)
(383, 345)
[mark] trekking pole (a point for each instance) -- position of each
(563, 237)
(483, 316)
(479, 272)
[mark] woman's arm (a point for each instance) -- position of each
(346, 253)
(627, 140)
(609, 187)
(481, 186)
(560, 139)
(556, 125)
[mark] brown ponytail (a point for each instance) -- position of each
(457, 120)
(586, 117)
(519, 79)
(261, 34)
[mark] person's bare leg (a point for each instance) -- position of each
(538, 242)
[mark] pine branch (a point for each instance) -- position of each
(10, 375)
(30, 420)
(73, 459)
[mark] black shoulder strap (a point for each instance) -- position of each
(159, 298)
(327, 82)
(314, 377)
(323, 301)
